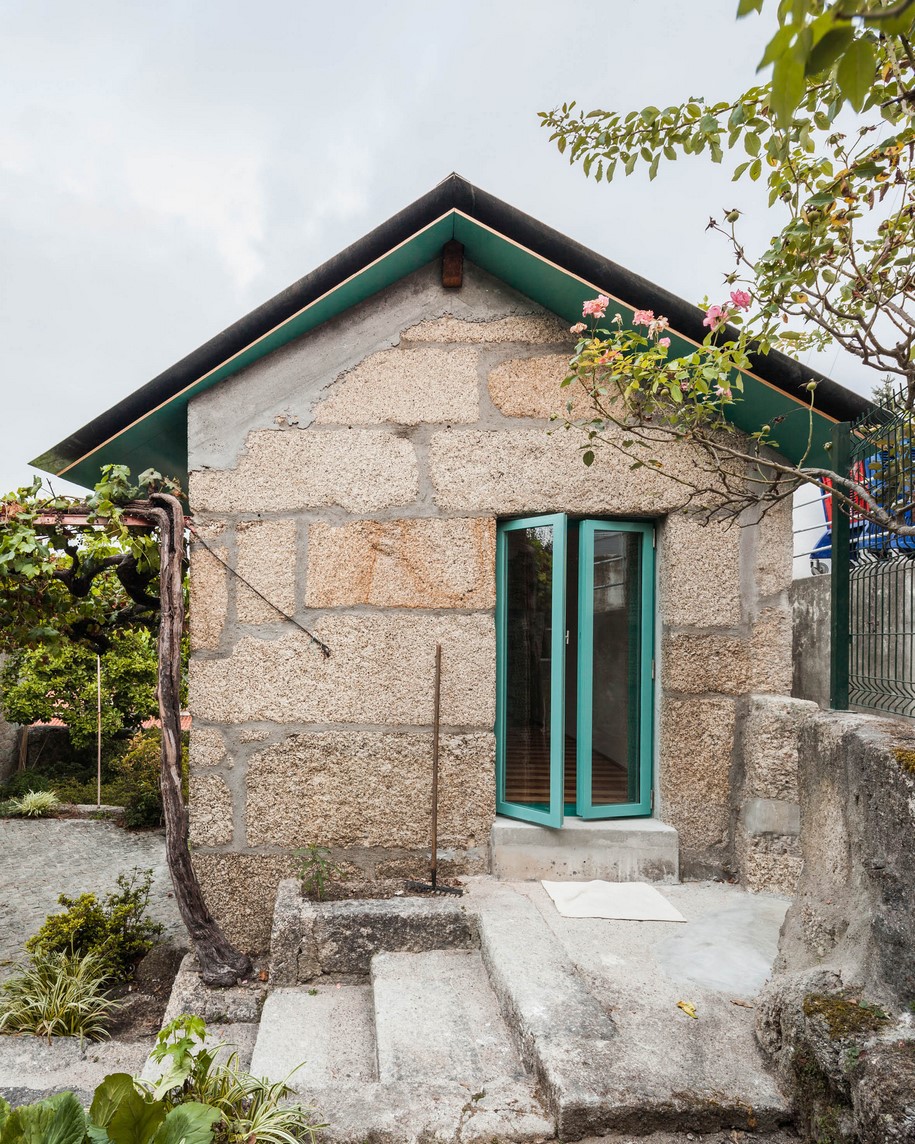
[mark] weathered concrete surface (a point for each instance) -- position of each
(767, 819)
(437, 1019)
(31, 1069)
(433, 1113)
(532, 330)
(835, 1017)
(314, 939)
(810, 604)
(240, 1004)
(325, 1033)
(618, 850)
(594, 1004)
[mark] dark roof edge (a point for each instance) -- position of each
(454, 192)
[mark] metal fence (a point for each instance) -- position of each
(873, 583)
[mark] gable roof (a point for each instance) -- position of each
(148, 428)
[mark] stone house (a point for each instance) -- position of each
(371, 451)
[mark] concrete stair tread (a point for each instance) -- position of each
(599, 1075)
(437, 1019)
(326, 1029)
(405, 1112)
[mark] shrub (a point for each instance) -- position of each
(138, 771)
(115, 929)
(250, 1108)
(33, 804)
(57, 994)
(22, 781)
(196, 1101)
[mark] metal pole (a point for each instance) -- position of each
(840, 630)
(98, 689)
(435, 729)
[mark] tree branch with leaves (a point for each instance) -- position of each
(832, 135)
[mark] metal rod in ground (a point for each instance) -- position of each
(432, 885)
(436, 720)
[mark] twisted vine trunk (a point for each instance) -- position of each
(220, 962)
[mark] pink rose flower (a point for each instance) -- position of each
(608, 357)
(722, 392)
(578, 328)
(643, 317)
(595, 307)
(741, 299)
(715, 316)
(665, 342)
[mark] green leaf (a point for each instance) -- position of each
(135, 1120)
(108, 1096)
(745, 7)
(828, 49)
(190, 1123)
(787, 86)
(57, 1120)
(855, 73)
(588, 457)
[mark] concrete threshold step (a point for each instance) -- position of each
(323, 1035)
(437, 1019)
(616, 849)
(593, 1079)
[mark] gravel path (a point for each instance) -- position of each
(42, 859)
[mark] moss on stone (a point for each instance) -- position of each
(844, 1016)
(906, 759)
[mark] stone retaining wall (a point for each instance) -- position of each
(355, 478)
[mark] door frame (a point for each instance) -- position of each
(644, 669)
(559, 522)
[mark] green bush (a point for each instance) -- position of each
(57, 995)
(33, 804)
(115, 929)
(137, 771)
(22, 781)
(197, 1101)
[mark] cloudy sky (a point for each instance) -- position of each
(166, 167)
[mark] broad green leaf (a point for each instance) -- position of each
(135, 1120)
(745, 7)
(855, 73)
(58, 1120)
(787, 86)
(828, 49)
(108, 1096)
(189, 1123)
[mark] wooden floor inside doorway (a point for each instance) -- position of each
(527, 771)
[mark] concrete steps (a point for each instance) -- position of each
(421, 1053)
(437, 1019)
(546, 1028)
(323, 1035)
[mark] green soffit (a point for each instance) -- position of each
(159, 439)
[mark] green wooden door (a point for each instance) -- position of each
(574, 731)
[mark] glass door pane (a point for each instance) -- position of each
(531, 638)
(614, 669)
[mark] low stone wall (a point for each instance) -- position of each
(836, 1018)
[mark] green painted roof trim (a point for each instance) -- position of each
(159, 439)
